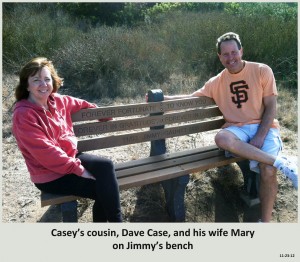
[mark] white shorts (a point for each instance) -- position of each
(272, 144)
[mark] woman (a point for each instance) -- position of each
(43, 129)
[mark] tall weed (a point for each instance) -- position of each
(107, 57)
(121, 61)
(29, 32)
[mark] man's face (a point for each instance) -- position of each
(231, 56)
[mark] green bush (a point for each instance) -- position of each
(192, 36)
(101, 61)
(282, 11)
(124, 61)
(31, 30)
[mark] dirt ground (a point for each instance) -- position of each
(211, 196)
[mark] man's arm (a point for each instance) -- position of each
(269, 114)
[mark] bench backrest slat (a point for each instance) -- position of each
(140, 109)
(136, 123)
(138, 137)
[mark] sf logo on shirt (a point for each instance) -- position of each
(240, 93)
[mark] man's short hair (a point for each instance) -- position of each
(227, 37)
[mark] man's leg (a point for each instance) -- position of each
(230, 142)
(268, 180)
(267, 191)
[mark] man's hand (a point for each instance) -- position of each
(270, 103)
(257, 141)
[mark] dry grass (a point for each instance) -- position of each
(287, 109)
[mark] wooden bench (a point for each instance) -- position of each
(154, 122)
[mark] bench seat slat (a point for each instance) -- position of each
(166, 163)
(174, 171)
(157, 158)
(48, 199)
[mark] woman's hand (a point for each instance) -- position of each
(87, 174)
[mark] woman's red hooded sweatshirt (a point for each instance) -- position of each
(46, 137)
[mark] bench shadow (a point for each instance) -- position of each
(225, 210)
(52, 215)
(150, 205)
(226, 202)
(229, 206)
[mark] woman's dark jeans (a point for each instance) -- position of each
(104, 190)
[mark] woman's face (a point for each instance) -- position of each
(40, 86)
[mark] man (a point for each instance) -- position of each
(246, 94)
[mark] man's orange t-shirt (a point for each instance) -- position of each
(240, 96)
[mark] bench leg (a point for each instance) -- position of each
(174, 193)
(69, 211)
(251, 184)
(174, 188)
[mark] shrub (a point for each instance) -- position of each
(103, 60)
(31, 30)
(109, 61)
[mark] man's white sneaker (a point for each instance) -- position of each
(288, 166)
